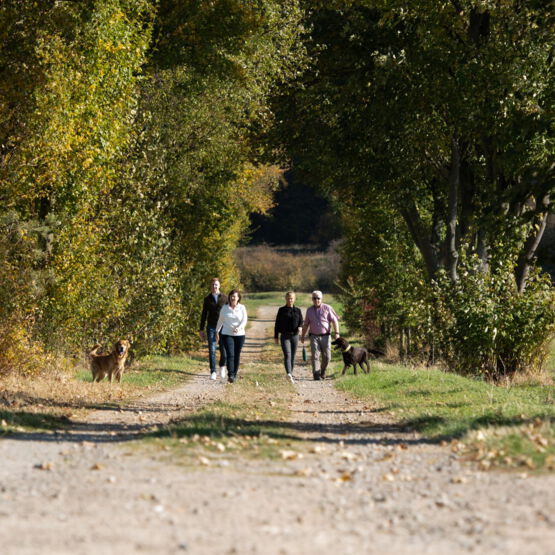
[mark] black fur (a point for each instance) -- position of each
(354, 355)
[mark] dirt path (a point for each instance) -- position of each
(364, 486)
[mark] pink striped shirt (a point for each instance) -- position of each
(319, 319)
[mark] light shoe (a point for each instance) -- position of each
(290, 378)
(213, 376)
(222, 371)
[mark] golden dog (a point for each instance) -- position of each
(111, 364)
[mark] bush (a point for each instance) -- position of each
(265, 268)
(485, 327)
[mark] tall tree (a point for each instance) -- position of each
(443, 111)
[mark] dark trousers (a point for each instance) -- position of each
(232, 346)
(212, 347)
(289, 347)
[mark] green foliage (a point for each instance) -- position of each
(127, 166)
(484, 327)
(491, 422)
(431, 125)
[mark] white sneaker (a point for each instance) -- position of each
(290, 378)
(222, 371)
(213, 376)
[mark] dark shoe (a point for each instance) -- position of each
(316, 375)
(230, 379)
(322, 374)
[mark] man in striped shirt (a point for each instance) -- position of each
(320, 319)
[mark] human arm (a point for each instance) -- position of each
(300, 320)
(244, 318)
(203, 316)
(334, 321)
(306, 325)
(220, 323)
(276, 327)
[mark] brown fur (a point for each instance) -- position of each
(111, 364)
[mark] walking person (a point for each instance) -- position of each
(289, 321)
(231, 328)
(211, 307)
(319, 320)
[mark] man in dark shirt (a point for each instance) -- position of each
(210, 311)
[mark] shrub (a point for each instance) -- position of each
(265, 268)
(485, 327)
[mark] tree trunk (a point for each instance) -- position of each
(452, 209)
(417, 230)
(532, 243)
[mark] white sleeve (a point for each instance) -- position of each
(220, 323)
(244, 318)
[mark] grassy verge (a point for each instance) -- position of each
(497, 426)
(50, 402)
(251, 419)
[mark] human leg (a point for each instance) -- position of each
(222, 354)
(229, 346)
(239, 341)
(212, 346)
(286, 348)
(294, 344)
(325, 347)
(315, 355)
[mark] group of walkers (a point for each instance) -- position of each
(224, 319)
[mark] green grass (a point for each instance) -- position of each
(251, 419)
(485, 417)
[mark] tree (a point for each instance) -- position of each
(443, 111)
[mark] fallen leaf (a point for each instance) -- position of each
(348, 456)
(44, 466)
(290, 455)
(97, 466)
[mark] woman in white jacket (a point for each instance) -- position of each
(231, 326)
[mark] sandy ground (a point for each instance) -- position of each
(363, 485)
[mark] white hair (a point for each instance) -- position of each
(317, 293)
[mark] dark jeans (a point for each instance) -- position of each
(289, 347)
(232, 346)
(212, 346)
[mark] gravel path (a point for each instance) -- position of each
(362, 485)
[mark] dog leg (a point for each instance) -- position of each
(344, 370)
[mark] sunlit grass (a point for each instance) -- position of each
(450, 407)
(51, 401)
(251, 419)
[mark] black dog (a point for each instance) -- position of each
(354, 355)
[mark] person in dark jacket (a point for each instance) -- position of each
(209, 318)
(289, 321)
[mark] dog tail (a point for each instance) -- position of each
(94, 350)
(375, 352)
